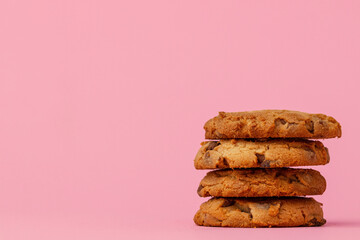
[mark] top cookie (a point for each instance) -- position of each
(271, 124)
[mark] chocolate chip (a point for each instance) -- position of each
(315, 222)
(220, 135)
(260, 157)
(242, 208)
(222, 163)
(310, 151)
(212, 145)
(303, 214)
(206, 155)
(199, 188)
(294, 178)
(309, 125)
(225, 162)
(280, 121)
(209, 219)
(228, 203)
(265, 163)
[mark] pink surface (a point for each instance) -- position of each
(102, 105)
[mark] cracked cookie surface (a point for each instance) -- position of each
(262, 183)
(239, 153)
(271, 124)
(260, 212)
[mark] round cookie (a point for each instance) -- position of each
(241, 153)
(260, 212)
(271, 124)
(260, 182)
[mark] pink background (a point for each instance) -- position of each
(102, 105)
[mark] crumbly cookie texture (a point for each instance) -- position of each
(239, 153)
(260, 212)
(259, 182)
(271, 124)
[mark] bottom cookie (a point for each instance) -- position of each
(260, 212)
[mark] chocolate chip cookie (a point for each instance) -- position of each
(271, 124)
(260, 212)
(258, 182)
(275, 153)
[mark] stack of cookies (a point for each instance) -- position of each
(254, 186)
